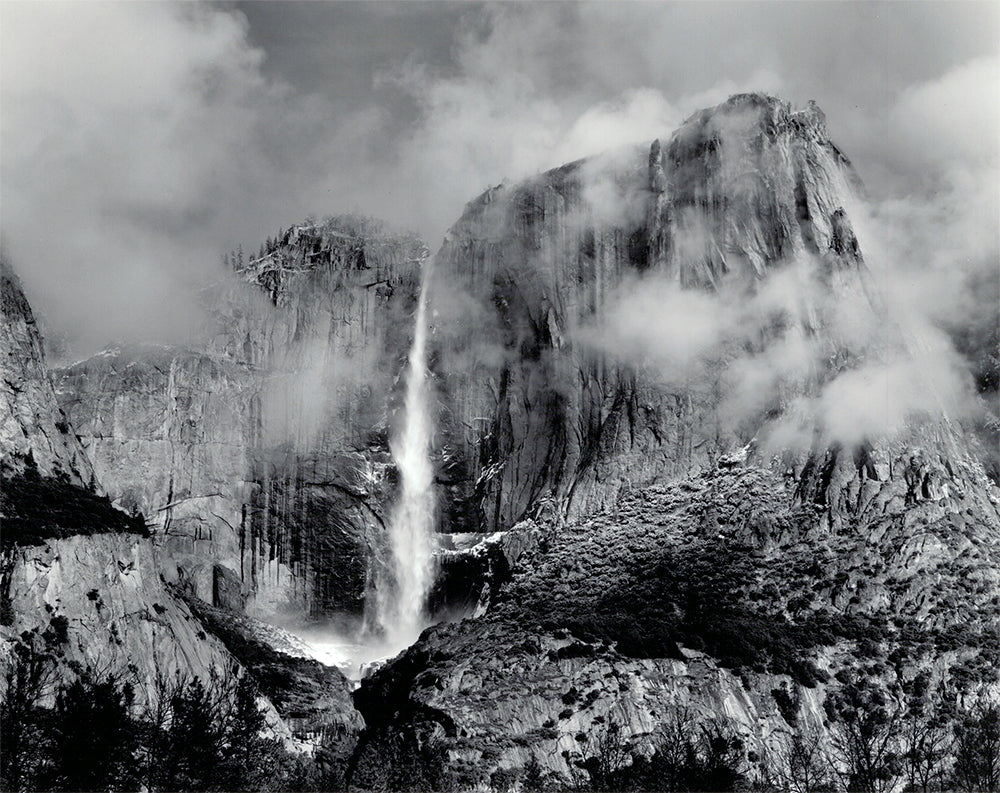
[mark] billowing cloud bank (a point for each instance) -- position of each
(140, 141)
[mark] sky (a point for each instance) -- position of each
(140, 141)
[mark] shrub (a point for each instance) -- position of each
(35, 509)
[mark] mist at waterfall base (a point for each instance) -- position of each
(395, 609)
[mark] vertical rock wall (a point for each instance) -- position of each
(89, 580)
(34, 432)
(263, 456)
(737, 193)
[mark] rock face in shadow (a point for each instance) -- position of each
(266, 451)
(313, 700)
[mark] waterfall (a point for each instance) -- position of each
(402, 589)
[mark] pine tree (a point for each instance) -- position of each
(22, 745)
(195, 739)
(249, 757)
(94, 740)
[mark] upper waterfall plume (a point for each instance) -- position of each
(402, 590)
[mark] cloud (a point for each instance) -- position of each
(949, 122)
(638, 115)
(659, 326)
(140, 141)
(122, 123)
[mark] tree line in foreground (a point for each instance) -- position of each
(90, 734)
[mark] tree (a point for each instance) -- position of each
(801, 766)
(154, 730)
(977, 750)
(249, 760)
(687, 757)
(28, 680)
(926, 747)
(94, 739)
(195, 739)
(609, 756)
(865, 739)
(534, 776)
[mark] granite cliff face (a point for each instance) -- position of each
(33, 430)
(73, 565)
(263, 457)
(170, 430)
(88, 586)
(735, 196)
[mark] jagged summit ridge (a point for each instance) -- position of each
(338, 244)
(766, 179)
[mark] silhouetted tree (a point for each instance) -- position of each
(22, 720)
(926, 747)
(94, 741)
(610, 754)
(801, 766)
(534, 776)
(977, 750)
(195, 739)
(687, 757)
(249, 760)
(865, 739)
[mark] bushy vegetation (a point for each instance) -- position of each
(686, 757)
(872, 748)
(34, 509)
(702, 596)
(410, 761)
(89, 734)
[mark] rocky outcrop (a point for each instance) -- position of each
(471, 569)
(313, 700)
(105, 599)
(266, 451)
(34, 432)
(713, 598)
(83, 584)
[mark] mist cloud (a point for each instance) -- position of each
(140, 141)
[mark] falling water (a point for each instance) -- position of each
(402, 590)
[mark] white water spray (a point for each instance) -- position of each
(402, 590)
